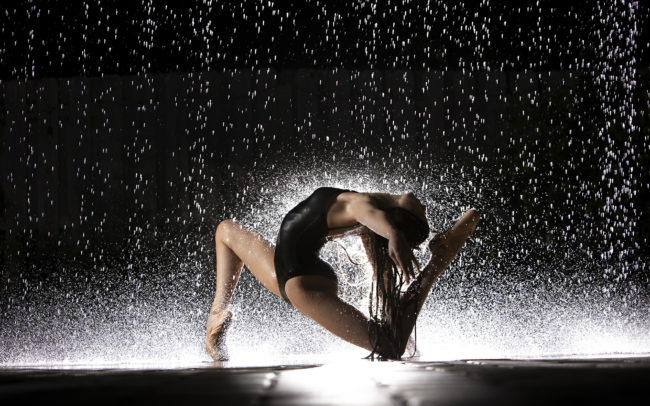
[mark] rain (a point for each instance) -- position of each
(127, 133)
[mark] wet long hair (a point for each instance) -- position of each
(385, 311)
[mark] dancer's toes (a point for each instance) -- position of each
(446, 245)
(467, 222)
(215, 341)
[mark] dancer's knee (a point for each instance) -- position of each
(386, 341)
(224, 230)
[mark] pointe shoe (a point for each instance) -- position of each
(468, 221)
(216, 329)
(446, 245)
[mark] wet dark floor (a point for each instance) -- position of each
(510, 382)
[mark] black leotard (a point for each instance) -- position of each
(302, 234)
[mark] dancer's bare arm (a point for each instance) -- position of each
(365, 211)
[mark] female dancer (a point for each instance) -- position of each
(390, 226)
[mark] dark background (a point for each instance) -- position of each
(53, 39)
(129, 131)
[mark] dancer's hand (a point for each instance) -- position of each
(402, 255)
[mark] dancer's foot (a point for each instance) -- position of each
(445, 246)
(215, 341)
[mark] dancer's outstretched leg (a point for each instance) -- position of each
(235, 246)
(316, 297)
(444, 247)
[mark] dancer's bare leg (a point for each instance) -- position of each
(316, 297)
(444, 247)
(236, 246)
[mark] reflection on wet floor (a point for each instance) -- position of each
(339, 383)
